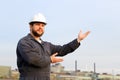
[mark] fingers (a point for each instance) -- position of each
(81, 35)
(80, 31)
(58, 59)
(55, 59)
(87, 33)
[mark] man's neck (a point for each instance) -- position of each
(36, 38)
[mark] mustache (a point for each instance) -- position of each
(39, 30)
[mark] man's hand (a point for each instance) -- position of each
(81, 36)
(55, 59)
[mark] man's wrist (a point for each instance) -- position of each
(78, 40)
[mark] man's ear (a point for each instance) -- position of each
(30, 26)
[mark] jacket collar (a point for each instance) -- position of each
(32, 38)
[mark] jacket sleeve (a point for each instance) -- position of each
(31, 55)
(65, 49)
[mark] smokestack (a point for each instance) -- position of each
(94, 68)
(75, 65)
(95, 77)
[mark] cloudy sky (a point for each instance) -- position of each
(65, 19)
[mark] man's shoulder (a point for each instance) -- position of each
(28, 36)
(25, 38)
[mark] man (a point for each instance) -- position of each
(35, 55)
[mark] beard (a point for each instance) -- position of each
(37, 34)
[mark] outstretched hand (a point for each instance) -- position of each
(81, 35)
(55, 59)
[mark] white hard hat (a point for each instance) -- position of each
(38, 18)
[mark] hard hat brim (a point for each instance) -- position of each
(37, 22)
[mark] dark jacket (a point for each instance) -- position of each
(33, 58)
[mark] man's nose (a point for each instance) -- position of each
(40, 27)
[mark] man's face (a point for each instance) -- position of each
(37, 29)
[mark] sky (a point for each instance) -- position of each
(65, 18)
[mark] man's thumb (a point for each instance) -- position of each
(55, 54)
